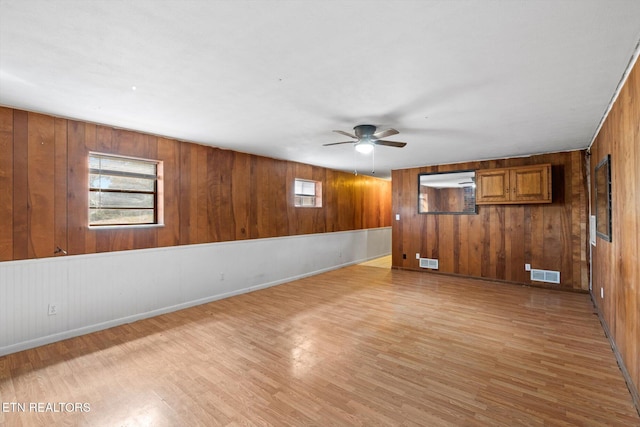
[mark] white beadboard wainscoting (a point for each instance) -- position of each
(99, 291)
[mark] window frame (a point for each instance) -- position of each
(316, 196)
(158, 218)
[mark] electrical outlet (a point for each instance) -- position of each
(417, 256)
(53, 309)
(397, 217)
(527, 267)
(221, 277)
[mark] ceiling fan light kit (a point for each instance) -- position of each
(364, 147)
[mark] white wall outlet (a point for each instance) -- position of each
(221, 277)
(417, 256)
(53, 309)
(527, 267)
(602, 293)
(397, 217)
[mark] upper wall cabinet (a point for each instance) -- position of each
(523, 184)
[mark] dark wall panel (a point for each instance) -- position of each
(20, 209)
(6, 184)
(210, 194)
(616, 264)
(169, 151)
(60, 186)
(500, 239)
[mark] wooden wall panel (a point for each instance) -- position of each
(264, 221)
(385, 216)
(518, 250)
(105, 141)
(144, 238)
(188, 200)
(339, 201)
(241, 194)
(169, 191)
(40, 191)
(474, 237)
(329, 199)
(205, 209)
(77, 182)
(6, 184)
(369, 198)
(226, 222)
(254, 199)
(384, 203)
(210, 194)
(509, 226)
(60, 186)
(20, 185)
(346, 202)
(214, 194)
(496, 245)
(278, 195)
(397, 243)
(616, 264)
(445, 242)
(357, 201)
(500, 239)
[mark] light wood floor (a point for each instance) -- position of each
(382, 262)
(357, 346)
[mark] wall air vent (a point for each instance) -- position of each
(429, 263)
(548, 276)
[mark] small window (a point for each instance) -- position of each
(308, 194)
(122, 190)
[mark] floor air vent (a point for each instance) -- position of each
(429, 263)
(545, 276)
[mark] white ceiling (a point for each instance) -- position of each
(460, 80)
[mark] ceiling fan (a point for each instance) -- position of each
(366, 138)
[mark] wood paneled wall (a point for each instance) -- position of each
(616, 264)
(210, 194)
(498, 241)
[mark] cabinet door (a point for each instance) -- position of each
(492, 186)
(531, 184)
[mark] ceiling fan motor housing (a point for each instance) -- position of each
(364, 131)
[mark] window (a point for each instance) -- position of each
(308, 194)
(123, 190)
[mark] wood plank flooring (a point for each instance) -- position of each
(357, 346)
(382, 262)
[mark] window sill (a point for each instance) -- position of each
(111, 227)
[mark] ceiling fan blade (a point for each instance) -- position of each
(390, 143)
(337, 143)
(385, 133)
(346, 134)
